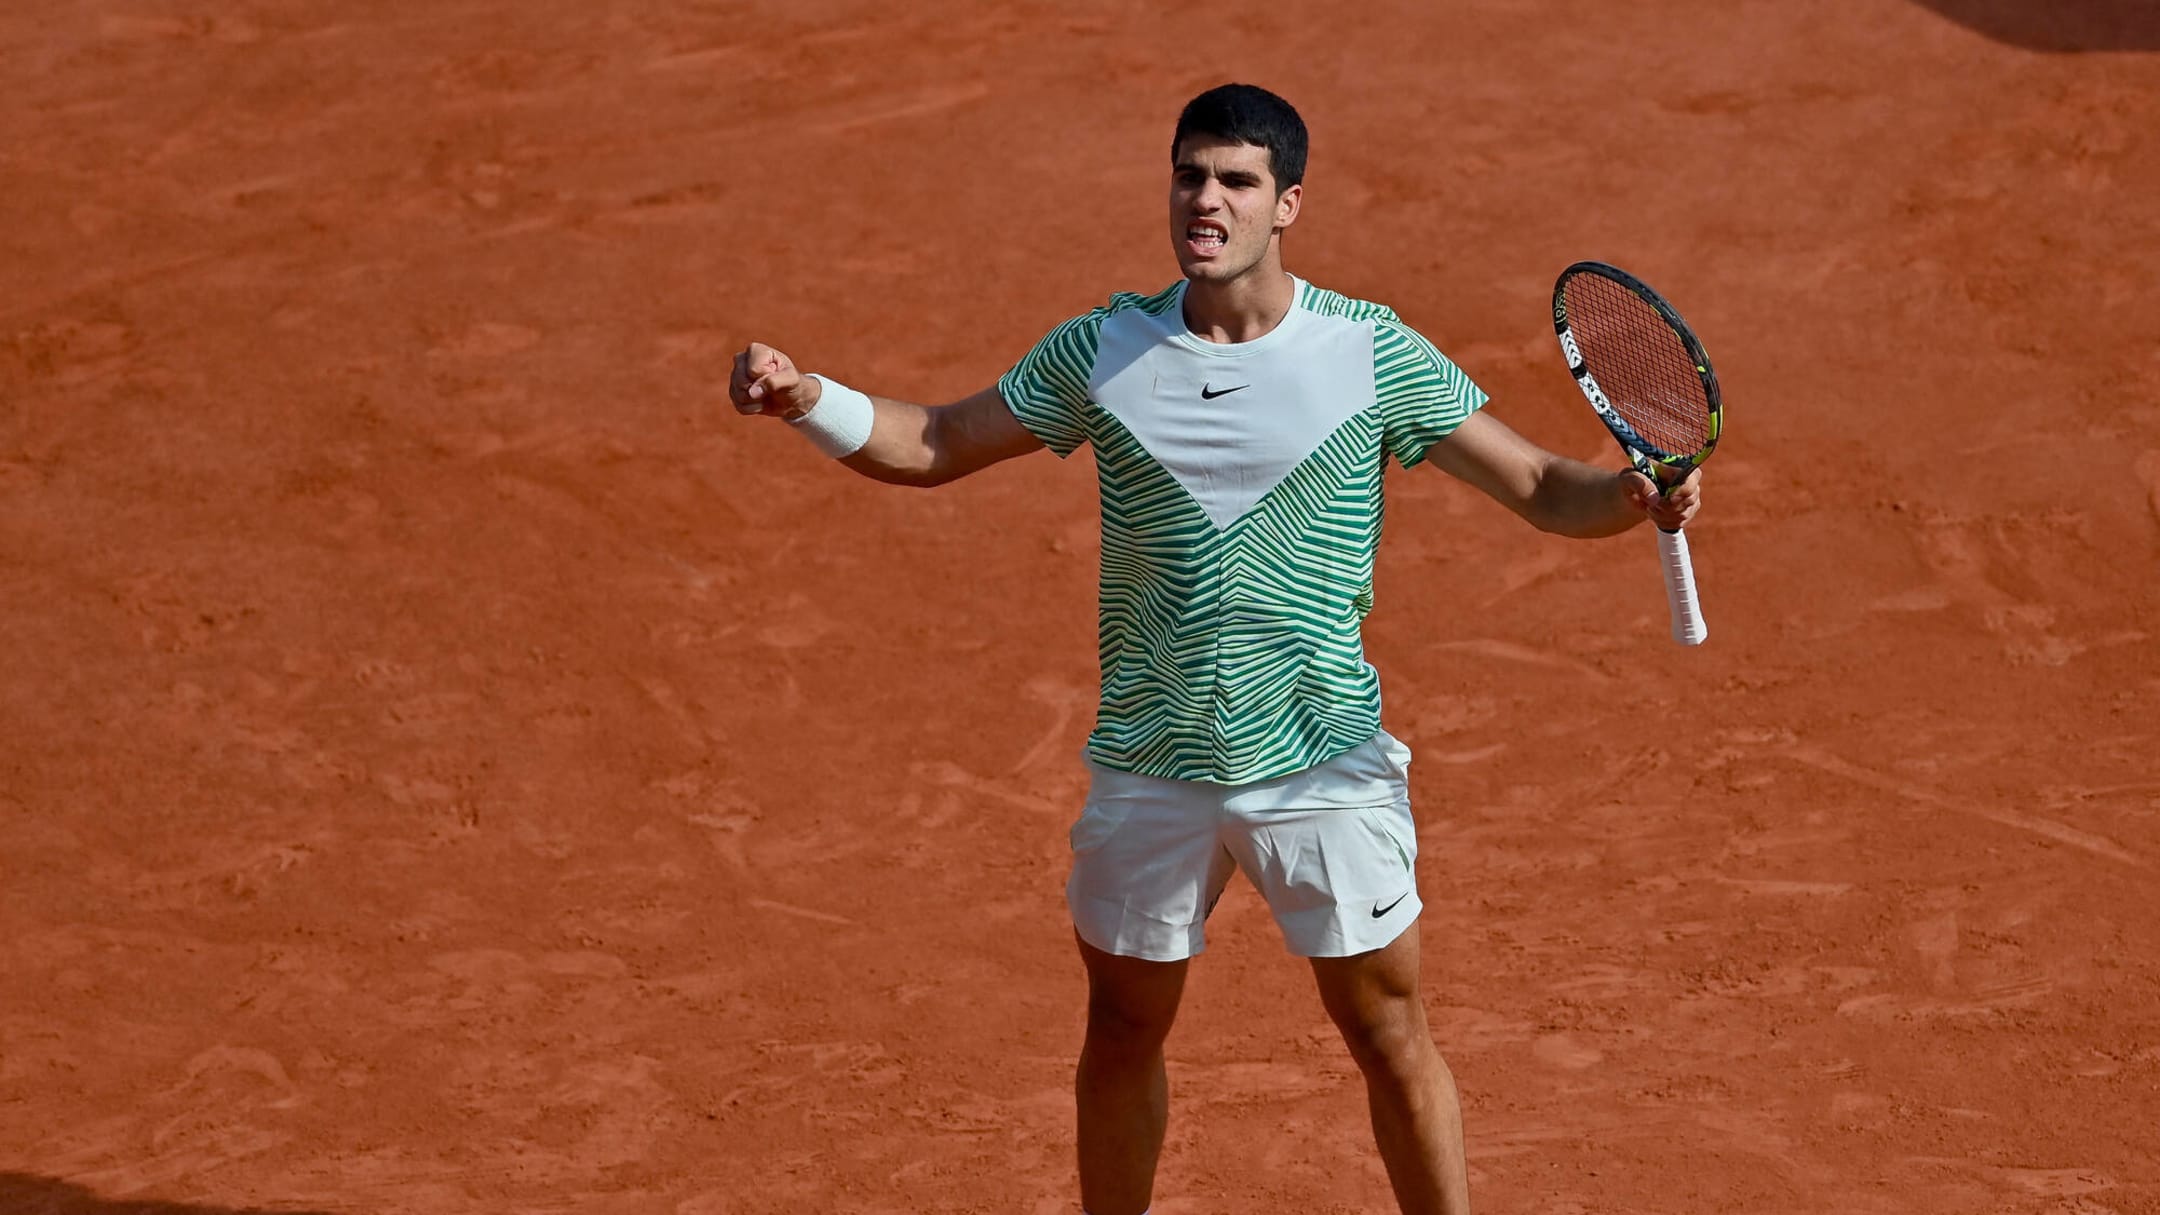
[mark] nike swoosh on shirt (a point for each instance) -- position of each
(1209, 393)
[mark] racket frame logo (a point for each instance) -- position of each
(1571, 350)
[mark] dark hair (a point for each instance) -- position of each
(1247, 113)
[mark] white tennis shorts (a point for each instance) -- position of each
(1331, 849)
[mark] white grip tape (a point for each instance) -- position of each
(1687, 622)
(840, 422)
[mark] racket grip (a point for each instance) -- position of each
(1687, 622)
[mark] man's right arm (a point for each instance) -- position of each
(907, 444)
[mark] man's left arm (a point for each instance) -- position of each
(1556, 494)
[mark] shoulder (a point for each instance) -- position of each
(1154, 304)
(1324, 302)
(1084, 332)
(1076, 339)
(1395, 344)
(1149, 304)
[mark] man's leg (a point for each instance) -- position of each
(1416, 1117)
(1122, 1088)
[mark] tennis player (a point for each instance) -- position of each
(1240, 420)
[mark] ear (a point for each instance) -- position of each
(1286, 206)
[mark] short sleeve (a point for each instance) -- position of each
(1422, 396)
(1048, 389)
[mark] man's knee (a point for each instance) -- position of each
(1119, 1021)
(1388, 1039)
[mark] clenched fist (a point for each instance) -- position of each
(768, 382)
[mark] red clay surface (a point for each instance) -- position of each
(449, 763)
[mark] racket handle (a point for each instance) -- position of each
(1687, 622)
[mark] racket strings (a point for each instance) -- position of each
(1643, 367)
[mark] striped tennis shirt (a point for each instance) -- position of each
(1241, 510)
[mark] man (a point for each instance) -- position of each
(1241, 420)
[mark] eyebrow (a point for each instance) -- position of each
(1235, 177)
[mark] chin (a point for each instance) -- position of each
(1207, 272)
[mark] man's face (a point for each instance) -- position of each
(1224, 208)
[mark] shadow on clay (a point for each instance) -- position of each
(2060, 25)
(24, 1194)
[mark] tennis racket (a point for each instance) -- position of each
(1651, 384)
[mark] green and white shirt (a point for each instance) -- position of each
(1241, 507)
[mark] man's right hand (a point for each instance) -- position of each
(768, 382)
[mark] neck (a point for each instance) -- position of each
(1242, 309)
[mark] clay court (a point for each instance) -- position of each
(450, 763)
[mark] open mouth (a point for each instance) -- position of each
(1205, 237)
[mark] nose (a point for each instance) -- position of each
(1208, 198)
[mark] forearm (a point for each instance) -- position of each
(1556, 494)
(903, 448)
(901, 443)
(1581, 500)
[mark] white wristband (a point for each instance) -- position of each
(840, 422)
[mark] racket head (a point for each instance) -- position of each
(1641, 366)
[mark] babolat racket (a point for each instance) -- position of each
(1650, 382)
